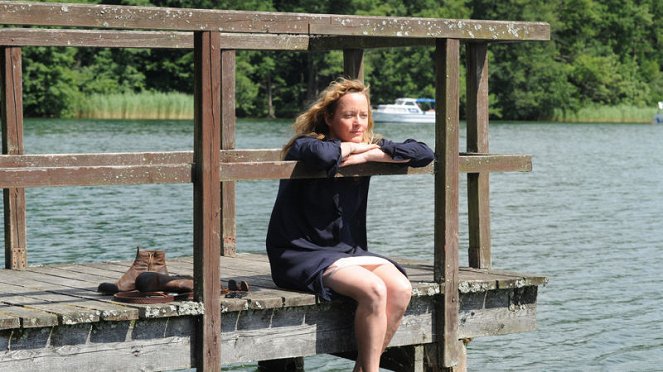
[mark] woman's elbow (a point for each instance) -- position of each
(425, 157)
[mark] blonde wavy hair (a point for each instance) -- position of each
(312, 122)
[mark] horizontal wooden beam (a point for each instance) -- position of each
(180, 19)
(293, 170)
(289, 169)
(366, 42)
(476, 163)
(155, 18)
(433, 28)
(176, 167)
(470, 163)
(96, 159)
(94, 175)
(145, 39)
(250, 155)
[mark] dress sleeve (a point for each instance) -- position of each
(418, 153)
(318, 154)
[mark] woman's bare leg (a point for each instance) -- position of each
(399, 292)
(367, 291)
(370, 293)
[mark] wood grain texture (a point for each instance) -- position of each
(478, 186)
(432, 28)
(145, 39)
(228, 135)
(353, 63)
(75, 284)
(446, 198)
(48, 316)
(124, 17)
(176, 167)
(207, 197)
(11, 96)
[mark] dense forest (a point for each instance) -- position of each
(602, 52)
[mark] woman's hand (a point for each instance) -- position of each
(369, 153)
(348, 148)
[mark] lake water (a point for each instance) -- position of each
(589, 216)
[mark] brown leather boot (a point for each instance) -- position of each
(145, 261)
(155, 282)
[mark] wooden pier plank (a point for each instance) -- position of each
(105, 16)
(264, 293)
(262, 325)
(112, 269)
(509, 279)
(7, 320)
(63, 306)
(106, 346)
(28, 318)
(80, 281)
(109, 311)
(89, 278)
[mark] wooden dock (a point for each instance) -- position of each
(52, 318)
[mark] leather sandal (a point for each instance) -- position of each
(241, 286)
(136, 297)
(157, 282)
(237, 290)
(181, 286)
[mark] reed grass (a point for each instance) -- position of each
(147, 105)
(607, 114)
(179, 106)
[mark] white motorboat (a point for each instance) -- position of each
(406, 110)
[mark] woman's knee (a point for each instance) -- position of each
(375, 294)
(400, 291)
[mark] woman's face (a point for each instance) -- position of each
(350, 120)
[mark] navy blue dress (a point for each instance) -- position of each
(318, 221)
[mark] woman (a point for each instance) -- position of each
(316, 240)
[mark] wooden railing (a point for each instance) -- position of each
(214, 165)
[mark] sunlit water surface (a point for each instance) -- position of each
(589, 217)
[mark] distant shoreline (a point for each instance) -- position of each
(179, 106)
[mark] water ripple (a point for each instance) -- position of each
(588, 216)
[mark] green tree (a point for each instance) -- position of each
(529, 80)
(602, 52)
(106, 71)
(50, 85)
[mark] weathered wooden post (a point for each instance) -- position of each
(448, 347)
(12, 144)
(478, 188)
(207, 198)
(228, 125)
(353, 63)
